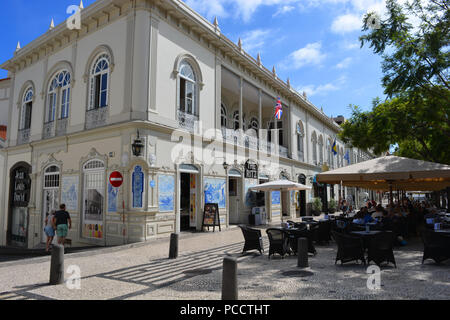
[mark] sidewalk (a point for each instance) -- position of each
(143, 271)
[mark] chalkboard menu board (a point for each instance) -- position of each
(211, 216)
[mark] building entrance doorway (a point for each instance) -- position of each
(189, 208)
(51, 195)
(302, 196)
(235, 194)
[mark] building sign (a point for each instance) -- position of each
(251, 170)
(20, 196)
(21, 189)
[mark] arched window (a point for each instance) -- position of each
(188, 89)
(58, 96)
(254, 124)
(300, 142)
(26, 109)
(320, 150)
(236, 120)
(99, 82)
(314, 146)
(329, 153)
(223, 116)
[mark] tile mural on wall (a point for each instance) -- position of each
(215, 191)
(112, 198)
(166, 190)
(138, 187)
(69, 192)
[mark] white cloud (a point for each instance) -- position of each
(344, 63)
(323, 89)
(347, 23)
(240, 8)
(255, 39)
(309, 55)
(282, 10)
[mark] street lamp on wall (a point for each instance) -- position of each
(137, 146)
(225, 166)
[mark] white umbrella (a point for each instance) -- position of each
(280, 185)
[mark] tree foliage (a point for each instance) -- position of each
(416, 60)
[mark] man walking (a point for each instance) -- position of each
(63, 223)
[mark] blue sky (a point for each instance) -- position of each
(313, 42)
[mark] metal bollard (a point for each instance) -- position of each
(229, 279)
(173, 251)
(302, 253)
(57, 265)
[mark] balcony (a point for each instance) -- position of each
(187, 121)
(236, 137)
(96, 118)
(49, 130)
(61, 127)
(23, 136)
(55, 130)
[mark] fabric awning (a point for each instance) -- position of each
(391, 171)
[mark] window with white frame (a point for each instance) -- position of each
(93, 199)
(99, 82)
(26, 109)
(51, 192)
(188, 89)
(58, 97)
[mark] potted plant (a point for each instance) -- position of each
(332, 205)
(316, 206)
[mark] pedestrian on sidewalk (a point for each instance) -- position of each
(49, 229)
(63, 223)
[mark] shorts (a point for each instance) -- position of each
(49, 231)
(61, 230)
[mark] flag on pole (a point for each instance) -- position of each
(279, 109)
(334, 147)
(347, 156)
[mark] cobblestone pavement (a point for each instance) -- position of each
(143, 272)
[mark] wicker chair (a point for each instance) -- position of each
(381, 248)
(294, 235)
(349, 248)
(253, 239)
(324, 232)
(279, 242)
(436, 246)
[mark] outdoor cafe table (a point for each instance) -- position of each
(365, 235)
(443, 231)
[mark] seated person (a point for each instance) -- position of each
(378, 213)
(359, 218)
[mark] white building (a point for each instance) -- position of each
(80, 98)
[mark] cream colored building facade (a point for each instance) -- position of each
(157, 71)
